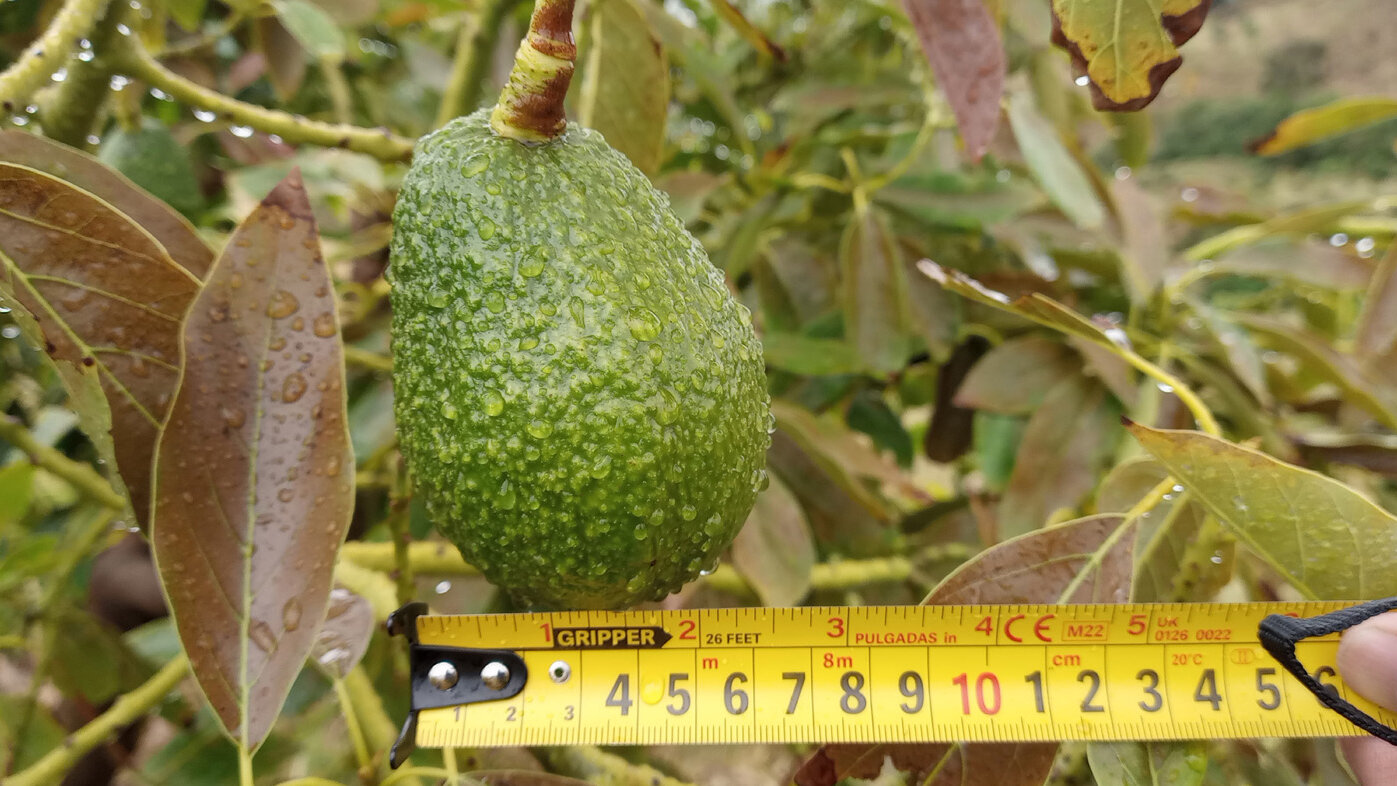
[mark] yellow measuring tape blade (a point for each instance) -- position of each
(891, 674)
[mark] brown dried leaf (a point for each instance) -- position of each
(961, 39)
(344, 638)
(105, 301)
(254, 474)
(165, 224)
(1089, 560)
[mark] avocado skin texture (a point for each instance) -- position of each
(154, 160)
(578, 395)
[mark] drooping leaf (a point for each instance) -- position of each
(1328, 540)
(1363, 389)
(1059, 174)
(1306, 261)
(1309, 126)
(254, 474)
(625, 89)
(1377, 325)
(1146, 245)
(951, 430)
(105, 301)
(1148, 763)
(843, 513)
(1015, 376)
(281, 56)
(961, 39)
(167, 226)
(1089, 560)
(1127, 48)
(1066, 442)
(344, 637)
(774, 551)
(312, 27)
(877, 314)
(1296, 223)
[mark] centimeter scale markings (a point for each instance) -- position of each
(892, 674)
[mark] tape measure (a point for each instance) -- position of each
(878, 674)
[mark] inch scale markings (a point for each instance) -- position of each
(882, 674)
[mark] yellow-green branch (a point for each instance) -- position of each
(126, 710)
(82, 476)
(49, 52)
(137, 63)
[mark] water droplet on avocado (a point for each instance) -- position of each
(539, 429)
(495, 302)
(494, 403)
(486, 228)
(437, 298)
(644, 325)
(531, 266)
(688, 512)
(601, 467)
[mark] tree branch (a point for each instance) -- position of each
(125, 711)
(82, 476)
(474, 46)
(137, 63)
(49, 52)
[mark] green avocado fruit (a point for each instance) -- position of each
(579, 397)
(154, 160)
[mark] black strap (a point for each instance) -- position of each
(1279, 634)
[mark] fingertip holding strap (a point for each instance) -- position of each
(1279, 634)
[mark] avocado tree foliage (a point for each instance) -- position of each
(963, 267)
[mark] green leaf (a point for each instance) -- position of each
(774, 552)
(870, 414)
(254, 474)
(1064, 445)
(996, 445)
(625, 89)
(105, 300)
(1309, 126)
(188, 14)
(311, 26)
(1127, 48)
(1090, 560)
(1148, 763)
(1015, 376)
(811, 357)
(1059, 174)
(1328, 540)
(1365, 391)
(16, 490)
(877, 314)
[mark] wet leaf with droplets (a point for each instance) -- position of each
(164, 223)
(1090, 560)
(344, 637)
(1328, 540)
(961, 39)
(105, 300)
(251, 507)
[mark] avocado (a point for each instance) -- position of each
(154, 160)
(579, 397)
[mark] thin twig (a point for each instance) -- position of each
(49, 51)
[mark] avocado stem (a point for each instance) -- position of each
(530, 109)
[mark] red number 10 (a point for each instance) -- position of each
(989, 705)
